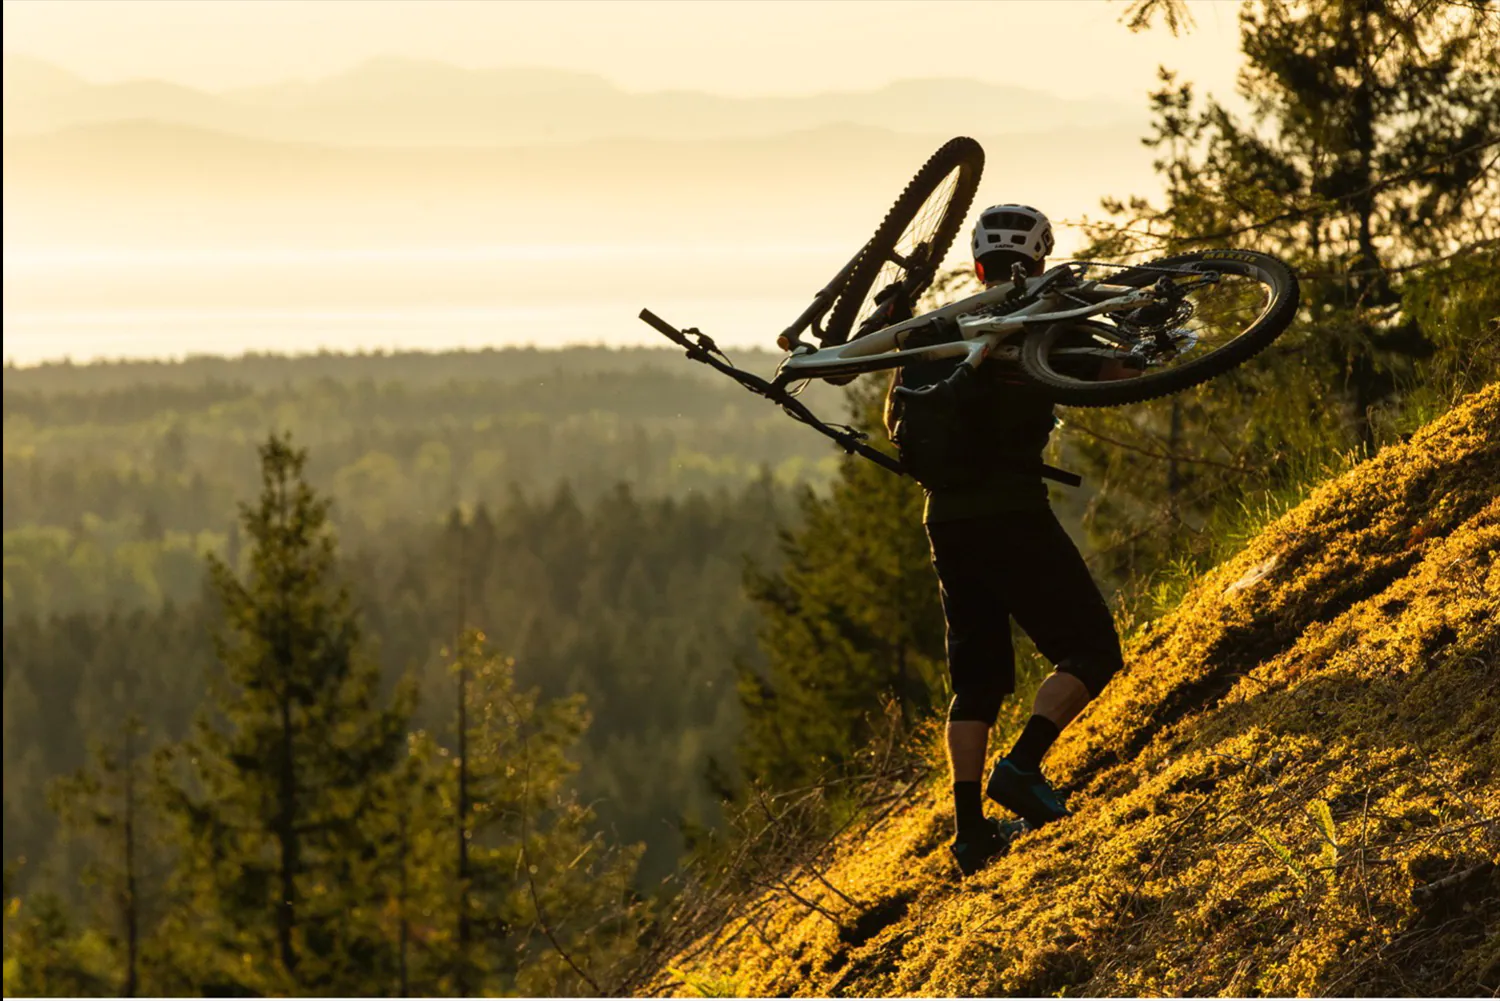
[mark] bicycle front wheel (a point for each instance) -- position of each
(1183, 339)
(913, 239)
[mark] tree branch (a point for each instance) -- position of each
(1160, 457)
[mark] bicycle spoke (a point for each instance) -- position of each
(905, 257)
(912, 239)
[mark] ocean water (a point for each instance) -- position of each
(88, 303)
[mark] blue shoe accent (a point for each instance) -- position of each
(1025, 794)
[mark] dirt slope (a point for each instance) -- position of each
(1289, 791)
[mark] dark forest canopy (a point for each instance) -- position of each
(635, 604)
(592, 510)
(417, 368)
(117, 477)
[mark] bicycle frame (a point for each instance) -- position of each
(982, 335)
(883, 348)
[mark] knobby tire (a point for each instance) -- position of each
(962, 154)
(1256, 337)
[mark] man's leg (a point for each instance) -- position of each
(1061, 697)
(967, 742)
(981, 666)
(1061, 609)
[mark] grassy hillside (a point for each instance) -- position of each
(1292, 790)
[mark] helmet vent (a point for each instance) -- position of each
(1012, 229)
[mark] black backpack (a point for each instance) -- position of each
(953, 433)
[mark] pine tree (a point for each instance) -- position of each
(850, 623)
(516, 892)
(275, 791)
(1371, 149)
(46, 954)
(105, 806)
(411, 881)
(23, 740)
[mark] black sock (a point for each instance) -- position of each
(968, 807)
(1033, 743)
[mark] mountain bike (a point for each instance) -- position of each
(1136, 333)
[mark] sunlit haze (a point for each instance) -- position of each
(1075, 49)
(220, 177)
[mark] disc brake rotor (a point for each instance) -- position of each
(1160, 330)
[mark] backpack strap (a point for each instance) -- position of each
(1060, 475)
(1017, 464)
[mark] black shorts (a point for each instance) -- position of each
(1020, 565)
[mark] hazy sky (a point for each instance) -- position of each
(1074, 48)
(107, 291)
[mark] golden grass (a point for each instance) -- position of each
(1289, 791)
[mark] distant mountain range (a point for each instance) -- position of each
(145, 181)
(398, 102)
(418, 203)
(401, 152)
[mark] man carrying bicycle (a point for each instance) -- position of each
(971, 426)
(1000, 554)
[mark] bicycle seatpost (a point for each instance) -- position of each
(1017, 282)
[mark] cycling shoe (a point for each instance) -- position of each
(993, 840)
(1026, 794)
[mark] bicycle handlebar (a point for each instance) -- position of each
(848, 439)
(666, 328)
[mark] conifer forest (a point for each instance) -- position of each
(581, 671)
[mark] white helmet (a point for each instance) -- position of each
(1017, 228)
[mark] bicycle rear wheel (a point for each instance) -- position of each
(913, 239)
(1185, 339)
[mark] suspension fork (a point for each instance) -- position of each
(822, 302)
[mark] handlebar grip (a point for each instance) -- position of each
(666, 328)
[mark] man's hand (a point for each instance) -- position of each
(1114, 369)
(890, 307)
